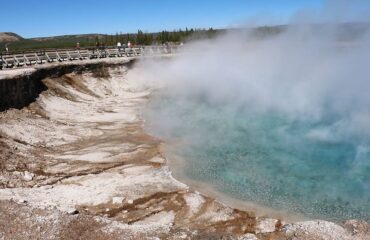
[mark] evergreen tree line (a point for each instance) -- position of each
(90, 40)
(143, 38)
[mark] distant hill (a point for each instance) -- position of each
(9, 37)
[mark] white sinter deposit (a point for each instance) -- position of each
(80, 149)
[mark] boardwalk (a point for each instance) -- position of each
(10, 61)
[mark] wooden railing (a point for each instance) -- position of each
(28, 58)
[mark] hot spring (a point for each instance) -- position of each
(282, 121)
(267, 159)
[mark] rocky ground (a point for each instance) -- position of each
(76, 164)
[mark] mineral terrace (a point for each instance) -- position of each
(76, 163)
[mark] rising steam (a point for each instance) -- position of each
(311, 77)
(308, 72)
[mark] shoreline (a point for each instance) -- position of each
(82, 146)
(176, 164)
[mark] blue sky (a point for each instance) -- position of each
(34, 18)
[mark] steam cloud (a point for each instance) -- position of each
(309, 72)
(293, 106)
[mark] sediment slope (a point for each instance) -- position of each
(76, 163)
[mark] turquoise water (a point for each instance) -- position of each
(267, 158)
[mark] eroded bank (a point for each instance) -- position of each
(78, 153)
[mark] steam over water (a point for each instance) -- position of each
(267, 158)
(283, 121)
